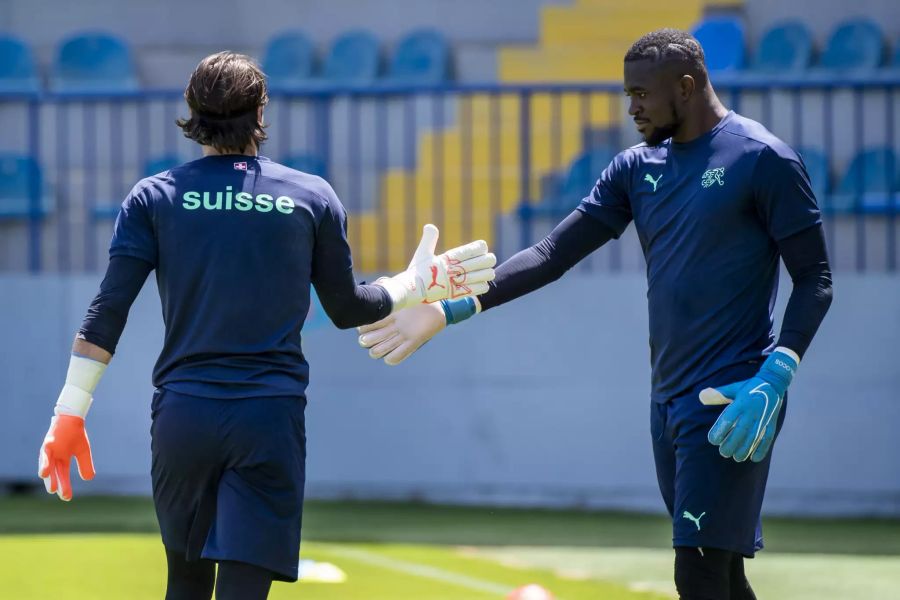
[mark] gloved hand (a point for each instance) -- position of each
(462, 271)
(746, 429)
(397, 336)
(67, 439)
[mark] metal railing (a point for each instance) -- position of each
(493, 161)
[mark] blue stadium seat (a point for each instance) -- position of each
(352, 60)
(819, 172)
(421, 57)
(855, 44)
(289, 61)
(94, 62)
(16, 174)
(583, 173)
(18, 71)
(722, 39)
(783, 48)
(870, 180)
(308, 163)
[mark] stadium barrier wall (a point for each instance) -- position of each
(533, 406)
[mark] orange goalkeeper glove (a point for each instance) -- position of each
(67, 439)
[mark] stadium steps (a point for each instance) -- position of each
(582, 42)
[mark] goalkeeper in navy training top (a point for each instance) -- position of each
(716, 200)
(235, 240)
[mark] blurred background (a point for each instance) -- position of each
(491, 120)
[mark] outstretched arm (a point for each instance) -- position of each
(399, 335)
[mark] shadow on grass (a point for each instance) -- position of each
(376, 522)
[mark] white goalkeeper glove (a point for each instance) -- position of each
(462, 271)
(397, 336)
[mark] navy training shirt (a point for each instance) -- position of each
(236, 241)
(708, 214)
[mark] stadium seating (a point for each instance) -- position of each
(854, 44)
(289, 61)
(152, 166)
(308, 163)
(869, 182)
(353, 59)
(819, 172)
(94, 62)
(18, 72)
(583, 173)
(421, 57)
(785, 48)
(722, 39)
(17, 172)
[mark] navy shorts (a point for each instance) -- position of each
(228, 478)
(714, 502)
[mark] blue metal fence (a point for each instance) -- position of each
(503, 162)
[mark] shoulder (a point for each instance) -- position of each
(758, 140)
(306, 186)
(637, 155)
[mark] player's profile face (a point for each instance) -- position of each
(652, 91)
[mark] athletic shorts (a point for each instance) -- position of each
(714, 502)
(228, 478)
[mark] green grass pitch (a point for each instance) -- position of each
(105, 548)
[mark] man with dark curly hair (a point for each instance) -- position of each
(716, 200)
(236, 240)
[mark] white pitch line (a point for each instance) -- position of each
(419, 570)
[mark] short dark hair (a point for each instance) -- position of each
(670, 45)
(224, 95)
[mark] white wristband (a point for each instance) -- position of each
(789, 352)
(81, 381)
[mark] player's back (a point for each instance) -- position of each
(233, 239)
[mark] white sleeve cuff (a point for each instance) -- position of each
(789, 352)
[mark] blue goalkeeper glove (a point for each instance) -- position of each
(746, 428)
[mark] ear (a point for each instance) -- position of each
(686, 87)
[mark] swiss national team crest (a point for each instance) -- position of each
(240, 166)
(712, 176)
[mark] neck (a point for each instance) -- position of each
(250, 150)
(705, 117)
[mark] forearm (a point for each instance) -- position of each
(349, 304)
(86, 349)
(573, 239)
(806, 259)
(105, 319)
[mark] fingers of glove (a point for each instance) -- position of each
(43, 462)
(731, 390)
(484, 261)
(463, 253)
(713, 397)
(64, 489)
(402, 352)
(376, 336)
(376, 325)
(427, 244)
(763, 448)
(468, 278)
(379, 350)
(470, 289)
(85, 463)
(740, 441)
(723, 425)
